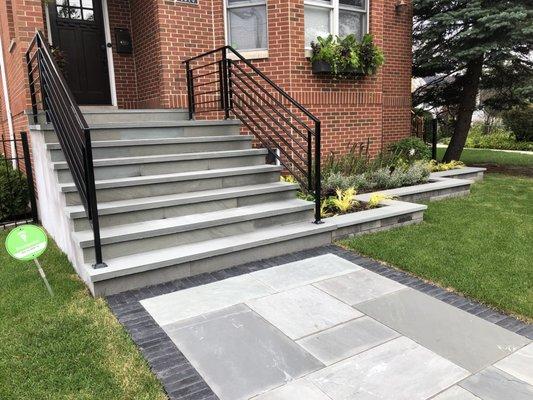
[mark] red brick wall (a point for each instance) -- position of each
(376, 107)
(397, 74)
(124, 64)
(147, 34)
(165, 33)
(17, 28)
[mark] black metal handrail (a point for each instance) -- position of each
(49, 92)
(218, 81)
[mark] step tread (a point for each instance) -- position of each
(159, 141)
(122, 266)
(152, 228)
(160, 158)
(175, 177)
(145, 203)
(134, 111)
(149, 124)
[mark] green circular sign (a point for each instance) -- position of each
(26, 242)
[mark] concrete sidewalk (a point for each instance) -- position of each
(529, 153)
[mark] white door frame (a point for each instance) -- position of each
(109, 50)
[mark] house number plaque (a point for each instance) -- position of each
(186, 1)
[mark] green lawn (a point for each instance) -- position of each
(482, 156)
(66, 347)
(479, 245)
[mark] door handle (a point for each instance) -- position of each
(104, 46)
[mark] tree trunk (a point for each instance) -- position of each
(466, 109)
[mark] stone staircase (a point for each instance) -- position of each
(177, 198)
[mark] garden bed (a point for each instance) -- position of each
(403, 208)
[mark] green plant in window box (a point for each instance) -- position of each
(346, 57)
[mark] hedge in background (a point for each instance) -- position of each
(520, 122)
(500, 139)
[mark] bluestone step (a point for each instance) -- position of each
(99, 115)
(159, 146)
(148, 130)
(157, 185)
(133, 271)
(160, 164)
(139, 237)
(175, 205)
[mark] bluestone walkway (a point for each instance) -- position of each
(325, 325)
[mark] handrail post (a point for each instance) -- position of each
(224, 83)
(230, 86)
(310, 185)
(434, 134)
(221, 88)
(31, 80)
(190, 90)
(29, 175)
(318, 177)
(92, 199)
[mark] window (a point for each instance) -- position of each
(75, 9)
(247, 24)
(336, 17)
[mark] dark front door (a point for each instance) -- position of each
(78, 38)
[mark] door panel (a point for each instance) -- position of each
(78, 33)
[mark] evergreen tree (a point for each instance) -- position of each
(471, 44)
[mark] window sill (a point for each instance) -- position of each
(249, 54)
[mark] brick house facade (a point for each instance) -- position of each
(165, 32)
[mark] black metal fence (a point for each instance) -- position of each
(17, 193)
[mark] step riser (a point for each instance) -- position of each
(159, 149)
(126, 171)
(197, 235)
(153, 133)
(160, 189)
(81, 224)
(132, 117)
(215, 263)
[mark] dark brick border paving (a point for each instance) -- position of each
(179, 378)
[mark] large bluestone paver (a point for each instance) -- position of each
(519, 364)
(195, 301)
(297, 390)
(468, 341)
(308, 338)
(239, 354)
(346, 340)
(359, 286)
(456, 393)
(299, 273)
(303, 311)
(400, 369)
(494, 384)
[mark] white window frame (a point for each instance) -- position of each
(334, 6)
(248, 53)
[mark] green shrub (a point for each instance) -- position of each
(520, 122)
(499, 138)
(13, 191)
(378, 179)
(410, 149)
(435, 166)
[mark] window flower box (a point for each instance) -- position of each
(346, 57)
